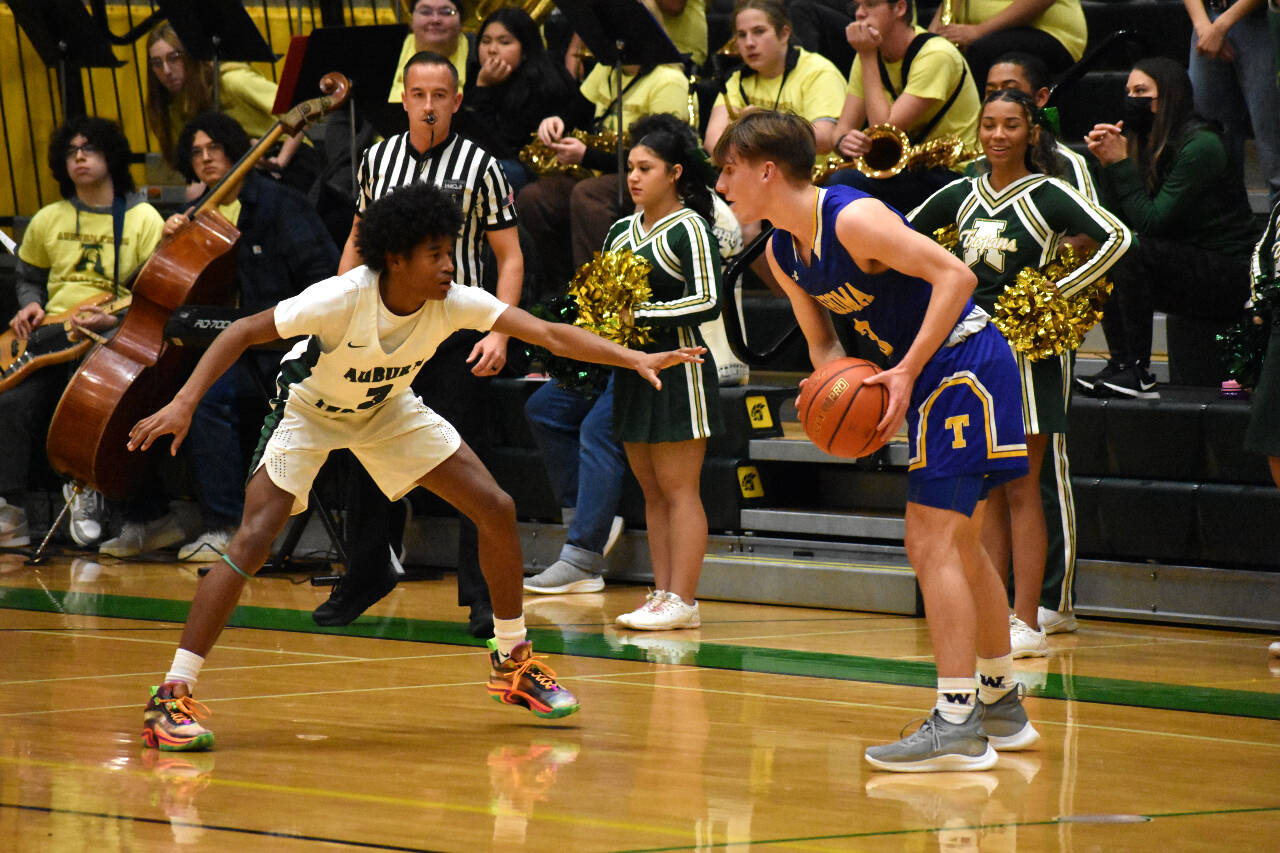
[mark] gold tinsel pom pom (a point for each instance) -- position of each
(610, 285)
(948, 237)
(1037, 320)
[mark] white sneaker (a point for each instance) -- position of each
(651, 601)
(1274, 649)
(1056, 621)
(13, 525)
(88, 510)
(1025, 641)
(208, 546)
(138, 538)
(666, 614)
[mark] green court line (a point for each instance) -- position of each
(1111, 691)
(849, 836)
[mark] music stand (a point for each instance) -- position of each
(618, 33)
(367, 57)
(67, 39)
(214, 30)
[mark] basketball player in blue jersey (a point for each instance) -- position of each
(347, 385)
(951, 376)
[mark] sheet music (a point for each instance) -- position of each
(9, 245)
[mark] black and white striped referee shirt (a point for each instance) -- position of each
(460, 167)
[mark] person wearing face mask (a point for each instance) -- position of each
(1165, 172)
(516, 86)
(436, 26)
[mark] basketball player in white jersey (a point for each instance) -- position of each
(347, 385)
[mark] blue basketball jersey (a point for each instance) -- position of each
(886, 308)
(965, 414)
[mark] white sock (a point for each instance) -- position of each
(185, 668)
(956, 699)
(995, 678)
(508, 633)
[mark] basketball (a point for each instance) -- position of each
(839, 414)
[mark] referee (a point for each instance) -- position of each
(454, 382)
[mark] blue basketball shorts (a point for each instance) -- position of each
(965, 420)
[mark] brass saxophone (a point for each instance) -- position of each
(541, 158)
(891, 152)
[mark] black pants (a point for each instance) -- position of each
(447, 385)
(1175, 278)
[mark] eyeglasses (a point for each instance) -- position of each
(442, 12)
(198, 151)
(88, 149)
(865, 4)
(173, 58)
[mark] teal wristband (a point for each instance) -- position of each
(241, 572)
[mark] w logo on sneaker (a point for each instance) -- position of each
(965, 699)
(996, 682)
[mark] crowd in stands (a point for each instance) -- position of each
(1157, 193)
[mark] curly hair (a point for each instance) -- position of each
(195, 97)
(219, 127)
(399, 221)
(107, 136)
(676, 143)
(1040, 155)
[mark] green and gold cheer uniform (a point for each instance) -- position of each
(685, 280)
(1021, 226)
(1263, 435)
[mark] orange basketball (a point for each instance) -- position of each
(838, 412)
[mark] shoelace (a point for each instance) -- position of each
(540, 672)
(186, 710)
(926, 729)
(656, 603)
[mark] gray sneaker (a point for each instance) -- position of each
(561, 577)
(1006, 724)
(937, 746)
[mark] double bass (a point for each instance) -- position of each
(136, 372)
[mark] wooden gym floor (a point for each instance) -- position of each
(746, 734)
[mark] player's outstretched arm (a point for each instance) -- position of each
(573, 342)
(175, 418)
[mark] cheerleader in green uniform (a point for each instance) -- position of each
(665, 432)
(1011, 217)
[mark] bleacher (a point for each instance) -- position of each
(1175, 521)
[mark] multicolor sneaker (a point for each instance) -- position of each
(1005, 722)
(937, 746)
(169, 722)
(524, 680)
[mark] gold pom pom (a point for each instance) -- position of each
(948, 237)
(608, 289)
(1037, 320)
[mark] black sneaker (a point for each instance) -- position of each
(1134, 381)
(353, 595)
(1092, 384)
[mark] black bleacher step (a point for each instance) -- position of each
(1162, 27)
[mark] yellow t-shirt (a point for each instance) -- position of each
(410, 47)
(934, 74)
(1064, 20)
(247, 97)
(665, 89)
(77, 247)
(231, 211)
(688, 30)
(814, 89)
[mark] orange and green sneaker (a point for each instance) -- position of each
(169, 722)
(524, 680)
